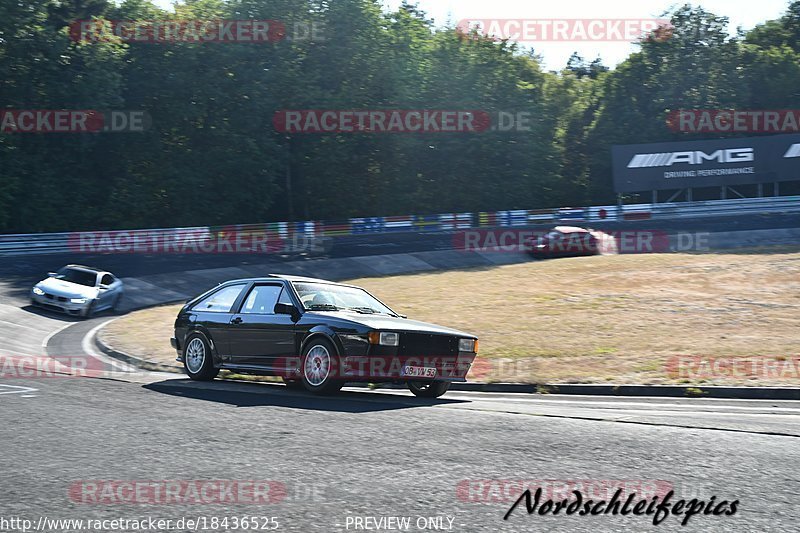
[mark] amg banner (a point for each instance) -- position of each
(678, 165)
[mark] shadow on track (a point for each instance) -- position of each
(43, 311)
(243, 394)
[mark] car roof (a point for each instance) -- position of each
(84, 267)
(273, 277)
(571, 229)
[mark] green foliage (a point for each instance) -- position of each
(212, 155)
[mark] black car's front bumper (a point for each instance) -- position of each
(378, 368)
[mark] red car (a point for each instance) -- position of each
(565, 241)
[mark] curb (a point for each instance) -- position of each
(662, 391)
(670, 391)
(144, 364)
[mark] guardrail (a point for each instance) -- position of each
(287, 233)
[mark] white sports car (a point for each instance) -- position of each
(78, 290)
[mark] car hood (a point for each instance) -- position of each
(390, 323)
(59, 287)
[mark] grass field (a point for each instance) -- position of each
(597, 319)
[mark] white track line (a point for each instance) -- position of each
(87, 345)
(613, 405)
(21, 389)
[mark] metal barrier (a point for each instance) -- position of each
(53, 243)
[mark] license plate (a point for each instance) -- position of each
(418, 371)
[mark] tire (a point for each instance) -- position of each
(428, 389)
(89, 311)
(115, 305)
(292, 383)
(197, 359)
(319, 366)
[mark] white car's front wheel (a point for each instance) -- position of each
(88, 311)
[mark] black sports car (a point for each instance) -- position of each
(318, 334)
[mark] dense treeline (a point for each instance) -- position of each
(213, 156)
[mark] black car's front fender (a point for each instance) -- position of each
(326, 332)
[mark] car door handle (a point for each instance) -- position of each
(237, 320)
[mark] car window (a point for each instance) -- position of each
(221, 301)
(262, 299)
(285, 298)
(330, 297)
(108, 279)
(75, 275)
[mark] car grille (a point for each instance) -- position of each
(423, 344)
(52, 297)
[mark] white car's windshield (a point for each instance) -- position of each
(329, 297)
(74, 275)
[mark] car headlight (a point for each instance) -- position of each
(468, 345)
(384, 338)
(78, 300)
(37, 291)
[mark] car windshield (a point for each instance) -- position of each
(330, 297)
(74, 275)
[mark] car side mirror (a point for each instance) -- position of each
(286, 309)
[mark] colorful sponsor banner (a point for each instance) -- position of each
(541, 215)
(572, 214)
(602, 212)
(334, 228)
(451, 221)
(427, 222)
(367, 225)
(398, 223)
